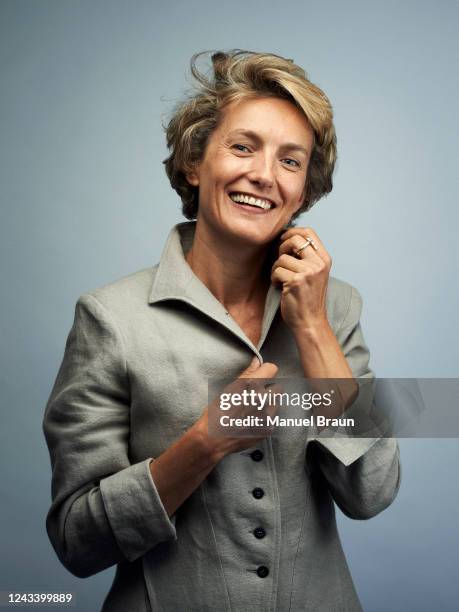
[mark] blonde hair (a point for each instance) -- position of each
(241, 75)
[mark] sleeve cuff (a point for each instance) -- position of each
(135, 510)
(346, 449)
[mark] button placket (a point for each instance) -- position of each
(259, 532)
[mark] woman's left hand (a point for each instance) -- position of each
(304, 279)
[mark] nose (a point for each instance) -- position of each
(262, 172)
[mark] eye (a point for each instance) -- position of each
(293, 164)
(241, 147)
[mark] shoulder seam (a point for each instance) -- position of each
(113, 324)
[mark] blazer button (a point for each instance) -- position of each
(258, 493)
(262, 571)
(257, 455)
(259, 532)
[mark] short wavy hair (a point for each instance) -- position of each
(238, 75)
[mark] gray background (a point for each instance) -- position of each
(85, 200)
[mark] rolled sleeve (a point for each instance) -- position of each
(363, 473)
(135, 510)
(365, 487)
(104, 510)
(346, 450)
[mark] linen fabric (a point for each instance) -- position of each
(133, 379)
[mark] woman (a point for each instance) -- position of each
(196, 522)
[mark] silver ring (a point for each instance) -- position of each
(308, 242)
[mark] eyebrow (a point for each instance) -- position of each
(288, 146)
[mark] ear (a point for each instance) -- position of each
(192, 178)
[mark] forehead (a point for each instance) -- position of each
(267, 116)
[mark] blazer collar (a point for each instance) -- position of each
(175, 280)
(174, 275)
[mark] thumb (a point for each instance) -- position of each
(253, 365)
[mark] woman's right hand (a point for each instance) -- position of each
(182, 467)
(220, 446)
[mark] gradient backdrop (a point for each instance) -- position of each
(84, 88)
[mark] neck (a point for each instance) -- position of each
(235, 274)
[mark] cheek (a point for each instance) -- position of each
(230, 168)
(221, 171)
(296, 192)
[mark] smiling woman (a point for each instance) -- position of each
(194, 521)
(238, 76)
(252, 181)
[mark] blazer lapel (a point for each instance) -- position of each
(175, 280)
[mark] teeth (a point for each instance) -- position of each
(245, 199)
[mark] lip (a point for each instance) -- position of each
(252, 195)
(247, 208)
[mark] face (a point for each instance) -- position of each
(253, 174)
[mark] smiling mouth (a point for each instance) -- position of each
(243, 198)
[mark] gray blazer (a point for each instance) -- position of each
(133, 379)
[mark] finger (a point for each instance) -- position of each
(253, 366)
(265, 370)
(281, 275)
(261, 386)
(289, 262)
(257, 386)
(297, 240)
(294, 243)
(303, 232)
